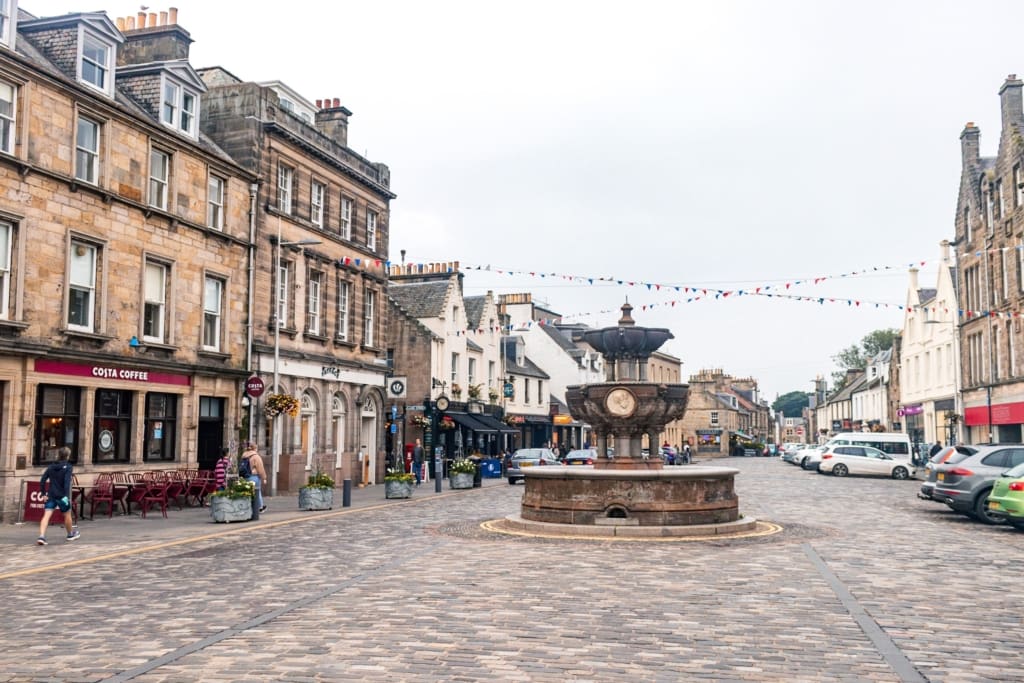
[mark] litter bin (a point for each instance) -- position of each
(491, 468)
(477, 472)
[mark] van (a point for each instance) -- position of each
(896, 444)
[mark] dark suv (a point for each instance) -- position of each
(964, 485)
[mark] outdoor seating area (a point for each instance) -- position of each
(145, 491)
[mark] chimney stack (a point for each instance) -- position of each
(970, 150)
(1010, 102)
(152, 39)
(332, 121)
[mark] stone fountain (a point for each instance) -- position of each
(626, 492)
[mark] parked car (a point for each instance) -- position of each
(580, 456)
(811, 456)
(528, 457)
(669, 454)
(791, 453)
(843, 460)
(965, 485)
(1007, 498)
(950, 454)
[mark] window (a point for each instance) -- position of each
(284, 188)
(316, 204)
(283, 272)
(526, 390)
(343, 308)
(112, 426)
(490, 373)
(967, 223)
(215, 203)
(213, 295)
(371, 230)
(975, 358)
(6, 249)
(155, 308)
(313, 303)
(1005, 269)
(96, 62)
(1011, 351)
(455, 368)
(87, 151)
(5, 22)
(1018, 187)
(161, 427)
(1000, 204)
(82, 287)
(369, 319)
(471, 371)
(178, 107)
(56, 424)
(990, 209)
(346, 218)
(714, 417)
(7, 116)
(540, 391)
(159, 172)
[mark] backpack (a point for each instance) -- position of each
(245, 468)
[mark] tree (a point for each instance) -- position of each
(856, 357)
(791, 404)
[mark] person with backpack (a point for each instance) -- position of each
(250, 467)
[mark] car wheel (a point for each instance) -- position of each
(981, 512)
(803, 463)
(840, 470)
(1017, 524)
(900, 473)
(511, 482)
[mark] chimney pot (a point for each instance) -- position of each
(142, 20)
(130, 22)
(318, 103)
(120, 23)
(163, 18)
(337, 102)
(172, 13)
(152, 19)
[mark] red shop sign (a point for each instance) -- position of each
(35, 503)
(110, 372)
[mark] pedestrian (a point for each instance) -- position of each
(417, 461)
(257, 475)
(686, 453)
(57, 495)
(220, 472)
(935, 449)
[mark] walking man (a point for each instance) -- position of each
(58, 495)
(257, 475)
(417, 461)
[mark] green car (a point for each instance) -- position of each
(1007, 498)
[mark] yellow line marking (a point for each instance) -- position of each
(764, 529)
(237, 529)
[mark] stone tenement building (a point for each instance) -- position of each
(989, 231)
(124, 243)
(722, 411)
(323, 307)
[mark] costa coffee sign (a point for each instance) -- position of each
(127, 374)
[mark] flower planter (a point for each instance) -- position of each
(398, 489)
(315, 499)
(461, 480)
(224, 509)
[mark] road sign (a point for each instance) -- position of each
(254, 386)
(415, 407)
(509, 390)
(396, 387)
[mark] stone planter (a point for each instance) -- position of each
(461, 480)
(398, 489)
(224, 509)
(315, 499)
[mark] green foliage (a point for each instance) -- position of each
(856, 357)
(399, 476)
(320, 481)
(462, 466)
(237, 488)
(792, 403)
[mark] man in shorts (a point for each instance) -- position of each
(58, 495)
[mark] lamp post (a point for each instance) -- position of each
(275, 448)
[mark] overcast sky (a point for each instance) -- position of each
(723, 145)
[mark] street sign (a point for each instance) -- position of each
(254, 386)
(509, 390)
(396, 387)
(415, 407)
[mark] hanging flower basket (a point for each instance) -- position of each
(419, 421)
(474, 390)
(446, 423)
(278, 404)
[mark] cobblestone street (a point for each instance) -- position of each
(864, 583)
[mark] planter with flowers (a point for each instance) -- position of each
(281, 404)
(233, 503)
(492, 394)
(419, 421)
(474, 390)
(398, 483)
(318, 493)
(457, 391)
(460, 474)
(446, 423)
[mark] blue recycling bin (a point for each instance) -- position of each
(491, 468)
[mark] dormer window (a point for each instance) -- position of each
(96, 61)
(179, 107)
(6, 23)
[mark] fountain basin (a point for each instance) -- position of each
(688, 495)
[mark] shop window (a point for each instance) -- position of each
(57, 412)
(112, 426)
(161, 427)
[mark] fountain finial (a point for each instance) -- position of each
(626, 320)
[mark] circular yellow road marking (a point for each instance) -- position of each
(763, 529)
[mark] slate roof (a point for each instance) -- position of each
(926, 295)
(528, 368)
(474, 310)
(420, 299)
(472, 345)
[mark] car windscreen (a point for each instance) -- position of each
(955, 458)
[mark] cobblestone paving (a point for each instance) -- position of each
(418, 592)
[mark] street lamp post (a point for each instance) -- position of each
(275, 447)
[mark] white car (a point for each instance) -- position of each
(809, 457)
(843, 460)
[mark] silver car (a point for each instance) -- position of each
(949, 454)
(529, 457)
(964, 486)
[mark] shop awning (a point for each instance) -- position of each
(497, 424)
(743, 435)
(537, 419)
(471, 422)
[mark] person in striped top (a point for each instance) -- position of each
(220, 472)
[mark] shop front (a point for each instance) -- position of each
(1003, 419)
(709, 441)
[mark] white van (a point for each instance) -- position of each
(896, 444)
